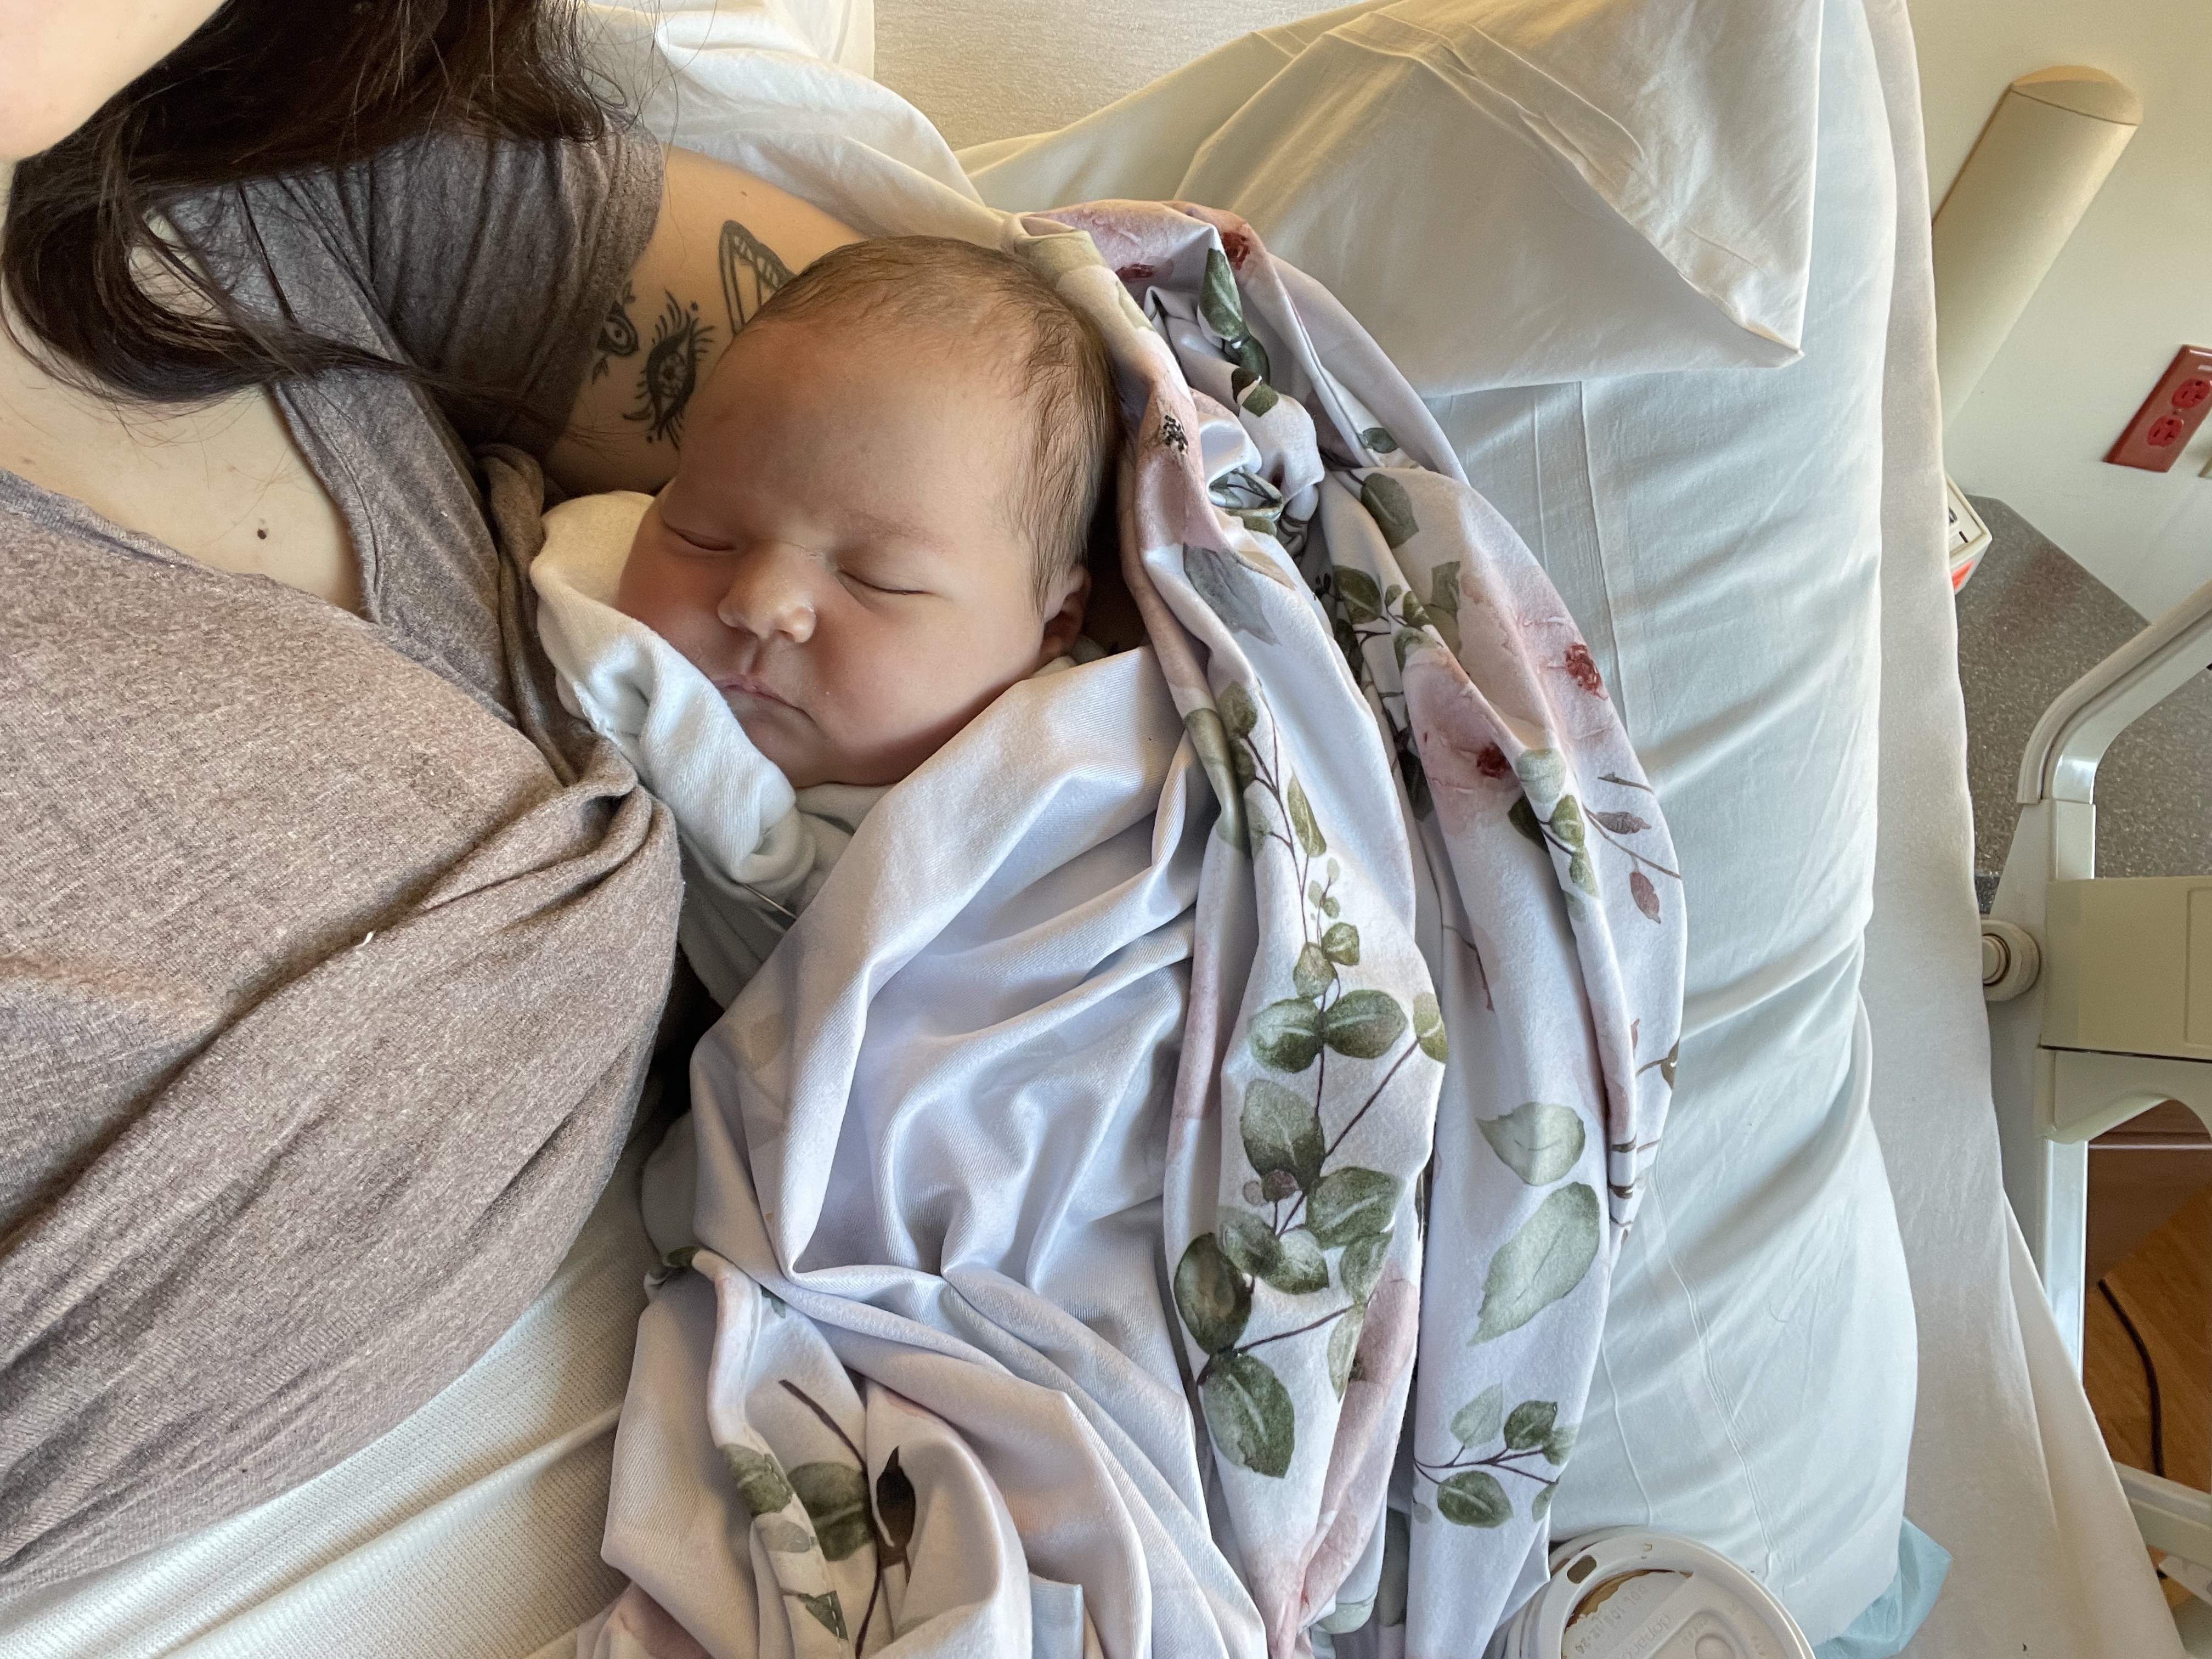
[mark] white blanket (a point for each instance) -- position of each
(1137, 998)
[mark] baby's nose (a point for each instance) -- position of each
(771, 590)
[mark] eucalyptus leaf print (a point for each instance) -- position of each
(1286, 1035)
(1540, 1263)
(1352, 1204)
(1229, 587)
(1478, 1422)
(1471, 1479)
(1297, 1265)
(1361, 1264)
(1441, 607)
(1344, 1347)
(1530, 1425)
(1250, 1413)
(1247, 1240)
(1392, 509)
(1362, 599)
(1302, 1203)
(784, 1537)
(1212, 1294)
(1314, 972)
(1523, 817)
(824, 1609)
(1210, 738)
(1429, 1028)
(897, 1509)
(1302, 819)
(1538, 1141)
(1363, 1025)
(760, 1478)
(1225, 314)
(835, 1498)
(1282, 1133)
(1239, 713)
(1253, 394)
(1474, 1497)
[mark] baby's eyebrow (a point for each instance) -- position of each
(883, 525)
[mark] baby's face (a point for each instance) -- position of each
(838, 550)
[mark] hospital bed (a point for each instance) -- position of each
(1700, 385)
(2100, 995)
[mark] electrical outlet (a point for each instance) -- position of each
(2169, 417)
(1969, 536)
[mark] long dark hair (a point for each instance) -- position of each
(263, 87)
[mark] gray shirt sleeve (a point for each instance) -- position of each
(486, 267)
(492, 264)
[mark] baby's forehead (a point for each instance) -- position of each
(992, 362)
(988, 333)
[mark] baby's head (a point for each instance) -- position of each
(879, 520)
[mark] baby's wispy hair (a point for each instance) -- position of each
(974, 296)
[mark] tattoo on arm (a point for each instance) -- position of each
(750, 272)
(671, 373)
(618, 334)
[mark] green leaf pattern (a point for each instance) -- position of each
(1282, 1273)
(1298, 1261)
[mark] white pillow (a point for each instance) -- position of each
(1613, 188)
(1717, 533)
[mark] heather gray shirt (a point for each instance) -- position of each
(331, 949)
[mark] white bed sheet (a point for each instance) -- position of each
(473, 1529)
(2008, 1467)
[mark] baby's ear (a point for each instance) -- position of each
(1065, 624)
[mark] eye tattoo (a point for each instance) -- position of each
(671, 374)
(750, 272)
(618, 334)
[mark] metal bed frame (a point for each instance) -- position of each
(2099, 996)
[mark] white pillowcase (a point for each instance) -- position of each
(1607, 189)
(1717, 533)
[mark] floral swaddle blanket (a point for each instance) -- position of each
(1206, 1101)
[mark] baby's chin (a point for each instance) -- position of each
(794, 760)
(804, 764)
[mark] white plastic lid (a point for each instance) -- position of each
(1631, 1593)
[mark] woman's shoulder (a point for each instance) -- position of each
(434, 233)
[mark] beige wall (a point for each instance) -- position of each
(2133, 285)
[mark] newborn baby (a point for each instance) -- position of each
(877, 525)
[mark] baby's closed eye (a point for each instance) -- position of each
(881, 578)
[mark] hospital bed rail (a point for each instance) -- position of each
(2100, 995)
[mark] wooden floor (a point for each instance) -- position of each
(2165, 1286)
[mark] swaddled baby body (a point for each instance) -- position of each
(877, 525)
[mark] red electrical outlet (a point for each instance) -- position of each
(2169, 417)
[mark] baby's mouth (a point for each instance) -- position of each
(745, 685)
